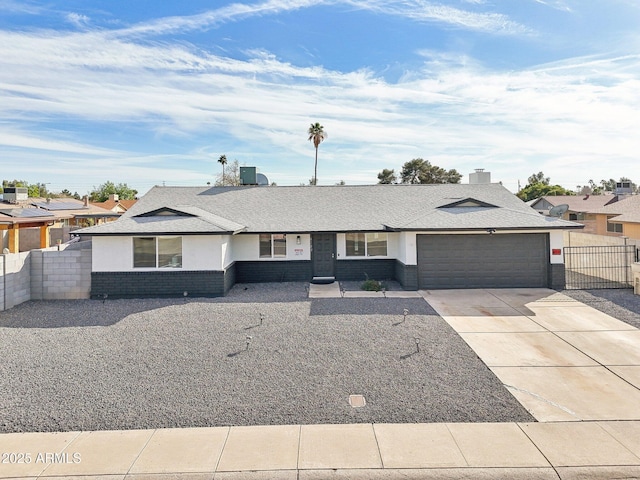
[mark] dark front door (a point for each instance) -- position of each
(324, 254)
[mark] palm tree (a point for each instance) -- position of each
(316, 135)
(222, 160)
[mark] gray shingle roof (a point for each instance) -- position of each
(328, 209)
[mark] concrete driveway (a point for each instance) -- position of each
(563, 360)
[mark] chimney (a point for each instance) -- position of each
(86, 201)
(479, 177)
(114, 197)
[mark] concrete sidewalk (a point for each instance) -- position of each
(553, 450)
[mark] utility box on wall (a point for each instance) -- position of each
(248, 176)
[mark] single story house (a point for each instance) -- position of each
(581, 208)
(115, 204)
(621, 218)
(29, 223)
(202, 240)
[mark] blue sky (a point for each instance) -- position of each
(146, 92)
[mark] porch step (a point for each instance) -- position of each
(323, 280)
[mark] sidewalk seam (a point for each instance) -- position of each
(373, 427)
(140, 453)
(224, 445)
(541, 452)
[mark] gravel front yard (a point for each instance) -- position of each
(122, 364)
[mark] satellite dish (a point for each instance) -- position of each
(262, 180)
(558, 210)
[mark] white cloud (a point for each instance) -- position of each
(78, 19)
(559, 117)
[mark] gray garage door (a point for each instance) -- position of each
(482, 261)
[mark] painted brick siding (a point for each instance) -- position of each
(229, 277)
(158, 284)
(273, 271)
(382, 269)
(406, 275)
(557, 279)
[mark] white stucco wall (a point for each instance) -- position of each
(200, 252)
(247, 248)
(111, 254)
(556, 242)
(115, 254)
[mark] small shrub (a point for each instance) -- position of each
(371, 285)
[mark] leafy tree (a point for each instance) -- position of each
(537, 190)
(67, 193)
(387, 176)
(231, 175)
(102, 192)
(316, 135)
(538, 178)
(34, 190)
(421, 171)
(223, 161)
(341, 182)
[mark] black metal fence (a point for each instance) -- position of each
(599, 267)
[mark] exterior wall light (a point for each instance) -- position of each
(298, 240)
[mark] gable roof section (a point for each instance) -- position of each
(329, 209)
(627, 209)
(576, 203)
(467, 203)
(181, 220)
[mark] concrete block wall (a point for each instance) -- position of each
(66, 274)
(580, 239)
(47, 274)
(16, 279)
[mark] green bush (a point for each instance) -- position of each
(372, 285)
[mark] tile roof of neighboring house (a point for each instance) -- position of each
(326, 209)
(111, 204)
(627, 209)
(578, 203)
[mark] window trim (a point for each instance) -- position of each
(366, 245)
(611, 227)
(156, 242)
(272, 245)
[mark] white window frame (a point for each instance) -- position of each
(366, 244)
(272, 241)
(157, 240)
(611, 227)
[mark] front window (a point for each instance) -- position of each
(376, 244)
(356, 246)
(613, 227)
(366, 245)
(157, 252)
(273, 245)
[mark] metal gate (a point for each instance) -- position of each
(599, 267)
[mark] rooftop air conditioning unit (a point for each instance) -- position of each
(248, 176)
(15, 194)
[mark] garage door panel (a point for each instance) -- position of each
(482, 261)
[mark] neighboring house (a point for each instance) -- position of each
(581, 209)
(27, 223)
(203, 240)
(621, 218)
(115, 204)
